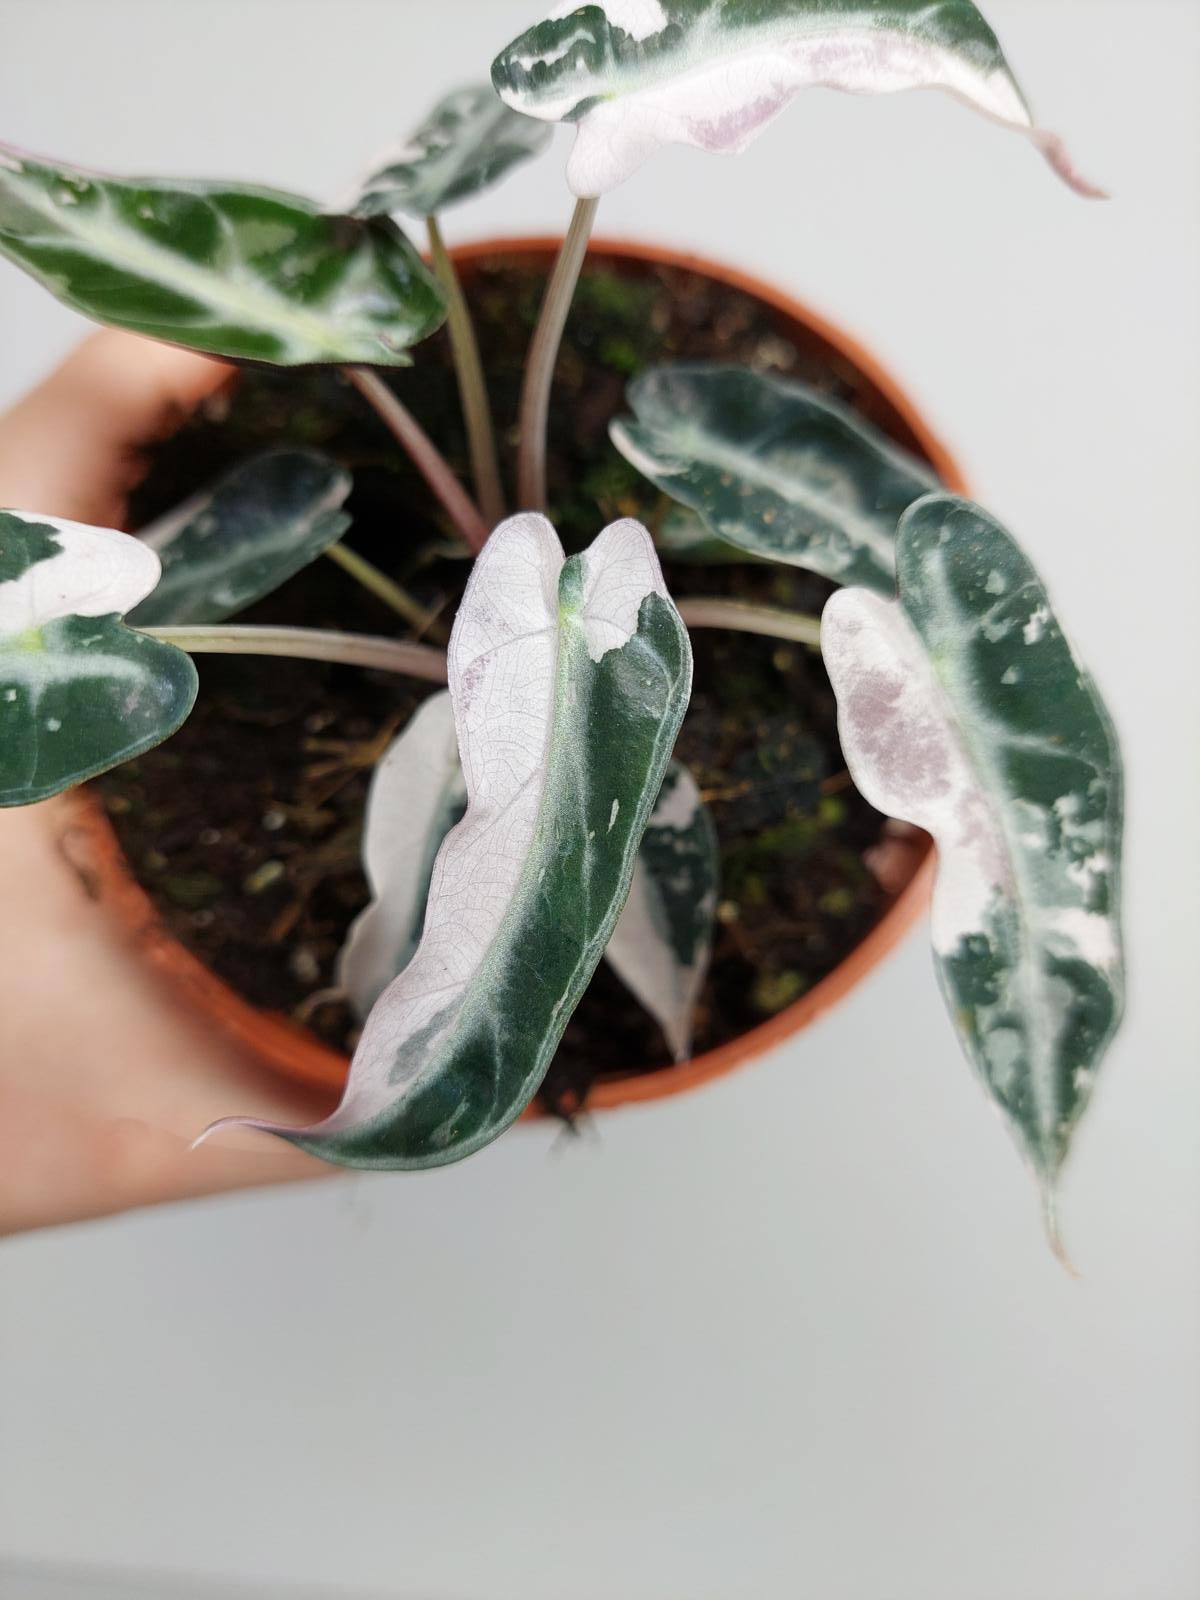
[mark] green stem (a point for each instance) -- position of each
(425, 456)
(476, 409)
(309, 644)
(543, 354)
(380, 585)
(744, 618)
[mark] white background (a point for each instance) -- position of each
(798, 1334)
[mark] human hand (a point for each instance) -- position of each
(104, 1082)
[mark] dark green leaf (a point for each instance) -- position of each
(239, 540)
(469, 141)
(773, 468)
(234, 271)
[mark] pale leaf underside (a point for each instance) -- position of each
(417, 795)
(637, 74)
(962, 709)
(569, 679)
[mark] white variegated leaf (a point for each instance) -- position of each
(661, 943)
(232, 544)
(963, 709)
(637, 74)
(418, 794)
(569, 678)
(469, 141)
(79, 691)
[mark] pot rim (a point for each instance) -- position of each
(287, 1048)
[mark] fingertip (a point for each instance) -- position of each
(147, 387)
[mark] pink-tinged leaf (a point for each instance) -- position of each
(637, 74)
(963, 709)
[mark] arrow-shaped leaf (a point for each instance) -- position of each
(227, 547)
(963, 709)
(468, 142)
(224, 268)
(773, 468)
(569, 678)
(79, 692)
(637, 74)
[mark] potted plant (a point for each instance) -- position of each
(527, 806)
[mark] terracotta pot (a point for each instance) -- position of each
(282, 1045)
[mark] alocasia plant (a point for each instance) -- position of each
(242, 538)
(530, 820)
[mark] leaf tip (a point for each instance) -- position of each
(1054, 150)
(1054, 1236)
(233, 1122)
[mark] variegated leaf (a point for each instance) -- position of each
(637, 74)
(234, 271)
(417, 795)
(773, 468)
(661, 943)
(79, 692)
(469, 141)
(569, 679)
(963, 709)
(230, 545)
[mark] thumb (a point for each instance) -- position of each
(72, 447)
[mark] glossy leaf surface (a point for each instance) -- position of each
(236, 542)
(963, 709)
(224, 268)
(569, 678)
(634, 75)
(773, 468)
(79, 691)
(469, 141)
